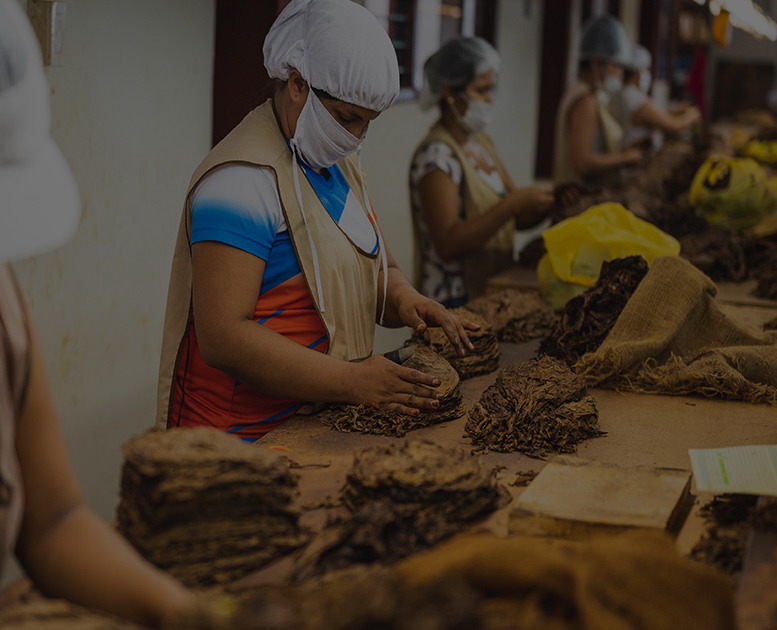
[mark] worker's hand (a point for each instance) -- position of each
(692, 115)
(419, 313)
(632, 155)
(381, 383)
(530, 205)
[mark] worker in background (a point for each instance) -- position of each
(66, 550)
(588, 146)
(637, 114)
(465, 205)
(280, 270)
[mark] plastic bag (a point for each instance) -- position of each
(577, 247)
(733, 193)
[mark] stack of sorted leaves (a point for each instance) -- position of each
(205, 506)
(366, 419)
(536, 408)
(515, 316)
(53, 614)
(588, 318)
(401, 499)
(482, 360)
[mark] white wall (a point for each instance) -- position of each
(394, 136)
(132, 114)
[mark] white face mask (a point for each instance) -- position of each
(612, 84)
(645, 80)
(320, 140)
(477, 117)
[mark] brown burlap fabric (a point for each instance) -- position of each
(672, 338)
(628, 582)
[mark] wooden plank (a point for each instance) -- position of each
(576, 498)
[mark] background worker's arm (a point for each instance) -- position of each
(66, 549)
(454, 237)
(582, 125)
(407, 307)
(651, 116)
(225, 285)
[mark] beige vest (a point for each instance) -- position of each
(610, 136)
(349, 276)
(14, 371)
(479, 198)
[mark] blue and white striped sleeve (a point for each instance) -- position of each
(238, 205)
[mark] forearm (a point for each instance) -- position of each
(468, 236)
(278, 366)
(593, 163)
(399, 289)
(80, 558)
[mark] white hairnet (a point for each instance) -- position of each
(605, 38)
(337, 46)
(39, 204)
(456, 64)
(641, 60)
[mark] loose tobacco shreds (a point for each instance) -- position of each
(482, 360)
(771, 324)
(588, 318)
(402, 499)
(728, 519)
(515, 316)
(536, 408)
(366, 419)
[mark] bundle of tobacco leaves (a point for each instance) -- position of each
(360, 598)
(719, 253)
(771, 324)
(536, 408)
(482, 360)
(401, 499)
(52, 614)
(205, 506)
(764, 268)
(515, 316)
(728, 519)
(366, 419)
(588, 318)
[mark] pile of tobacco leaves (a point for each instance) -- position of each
(482, 360)
(588, 318)
(52, 614)
(515, 316)
(771, 324)
(206, 507)
(401, 499)
(366, 419)
(536, 408)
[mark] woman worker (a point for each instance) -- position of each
(65, 549)
(588, 138)
(465, 205)
(636, 113)
(280, 269)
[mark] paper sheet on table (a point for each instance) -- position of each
(744, 469)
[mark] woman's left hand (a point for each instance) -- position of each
(420, 313)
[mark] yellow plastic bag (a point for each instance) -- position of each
(577, 247)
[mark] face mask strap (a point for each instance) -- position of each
(381, 246)
(298, 190)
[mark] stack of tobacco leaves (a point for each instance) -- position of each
(366, 419)
(728, 519)
(482, 360)
(588, 317)
(52, 614)
(515, 316)
(536, 408)
(205, 506)
(401, 499)
(719, 253)
(764, 269)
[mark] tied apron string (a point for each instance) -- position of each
(381, 246)
(316, 267)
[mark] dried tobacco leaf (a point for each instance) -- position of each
(536, 408)
(771, 324)
(482, 360)
(588, 318)
(721, 254)
(47, 614)
(402, 499)
(205, 506)
(365, 419)
(515, 316)
(764, 269)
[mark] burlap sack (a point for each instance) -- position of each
(628, 582)
(672, 338)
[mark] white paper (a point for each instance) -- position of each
(743, 469)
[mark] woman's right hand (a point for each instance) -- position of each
(381, 383)
(632, 155)
(530, 205)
